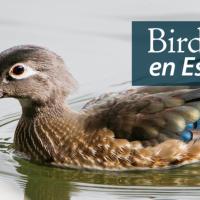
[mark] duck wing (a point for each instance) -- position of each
(150, 115)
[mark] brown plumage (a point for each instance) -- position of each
(137, 128)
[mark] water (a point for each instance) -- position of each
(94, 38)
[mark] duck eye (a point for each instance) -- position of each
(18, 70)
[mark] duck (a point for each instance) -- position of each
(150, 127)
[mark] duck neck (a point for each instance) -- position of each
(32, 110)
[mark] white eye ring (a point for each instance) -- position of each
(21, 71)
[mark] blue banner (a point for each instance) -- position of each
(165, 53)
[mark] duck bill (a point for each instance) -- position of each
(1, 93)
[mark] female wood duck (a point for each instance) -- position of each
(149, 127)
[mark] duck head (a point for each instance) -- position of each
(34, 75)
